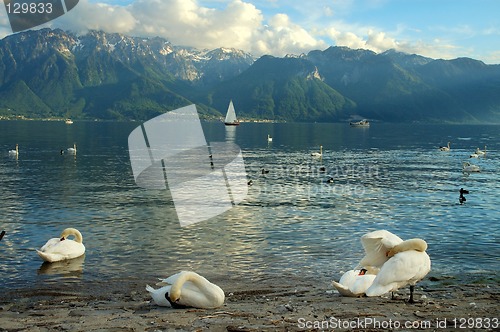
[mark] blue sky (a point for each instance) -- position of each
(434, 28)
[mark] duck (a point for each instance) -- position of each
(354, 283)
(250, 183)
(14, 152)
(318, 154)
(72, 150)
(330, 180)
(461, 198)
(467, 167)
(264, 171)
(407, 264)
(445, 148)
(269, 138)
(61, 248)
(187, 289)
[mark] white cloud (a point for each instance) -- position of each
(241, 24)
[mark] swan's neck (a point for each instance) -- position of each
(72, 231)
(412, 244)
(199, 281)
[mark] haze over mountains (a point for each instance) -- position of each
(52, 73)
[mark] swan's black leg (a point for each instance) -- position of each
(392, 296)
(411, 294)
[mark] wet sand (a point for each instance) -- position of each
(285, 303)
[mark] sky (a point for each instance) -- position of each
(439, 29)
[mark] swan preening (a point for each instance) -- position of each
(61, 248)
(14, 152)
(390, 262)
(445, 148)
(318, 154)
(187, 289)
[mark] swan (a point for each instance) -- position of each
(408, 263)
(376, 245)
(187, 289)
(467, 167)
(58, 249)
(481, 152)
(72, 150)
(474, 155)
(318, 154)
(445, 148)
(14, 152)
(354, 283)
(269, 138)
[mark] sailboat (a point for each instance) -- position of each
(230, 119)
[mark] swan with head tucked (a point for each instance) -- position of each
(318, 154)
(445, 148)
(354, 283)
(407, 264)
(61, 248)
(14, 152)
(187, 289)
(72, 150)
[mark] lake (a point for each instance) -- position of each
(388, 176)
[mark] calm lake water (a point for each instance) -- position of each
(386, 177)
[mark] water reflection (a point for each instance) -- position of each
(292, 220)
(67, 268)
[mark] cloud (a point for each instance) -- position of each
(242, 25)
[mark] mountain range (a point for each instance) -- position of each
(53, 73)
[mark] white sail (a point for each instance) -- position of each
(231, 115)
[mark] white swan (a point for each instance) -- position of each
(58, 249)
(408, 263)
(14, 152)
(72, 150)
(269, 138)
(376, 245)
(445, 148)
(467, 167)
(354, 283)
(318, 154)
(188, 289)
(474, 155)
(481, 152)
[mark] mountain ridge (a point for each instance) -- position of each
(52, 73)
